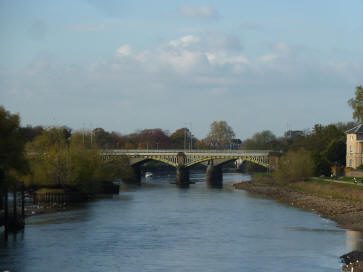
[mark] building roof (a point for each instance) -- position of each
(356, 130)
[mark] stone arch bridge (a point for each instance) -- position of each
(183, 159)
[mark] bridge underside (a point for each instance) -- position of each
(182, 162)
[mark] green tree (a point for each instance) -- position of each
(49, 157)
(13, 163)
(178, 138)
(295, 166)
(220, 135)
(12, 146)
(58, 160)
(357, 104)
(335, 152)
(260, 140)
(183, 137)
(326, 144)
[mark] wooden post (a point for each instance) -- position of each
(14, 206)
(6, 213)
(22, 201)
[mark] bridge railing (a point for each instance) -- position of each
(158, 151)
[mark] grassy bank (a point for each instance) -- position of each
(341, 202)
(345, 191)
(343, 188)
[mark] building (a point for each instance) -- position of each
(354, 147)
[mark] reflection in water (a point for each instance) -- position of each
(354, 239)
(158, 227)
(313, 229)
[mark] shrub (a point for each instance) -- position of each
(295, 166)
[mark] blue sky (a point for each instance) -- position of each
(128, 65)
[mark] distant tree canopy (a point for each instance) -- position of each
(326, 145)
(357, 104)
(179, 138)
(220, 135)
(72, 155)
(29, 132)
(260, 140)
(153, 139)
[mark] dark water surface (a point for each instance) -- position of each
(159, 227)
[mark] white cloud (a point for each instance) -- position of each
(221, 41)
(184, 41)
(268, 58)
(183, 74)
(200, 12)
(282, 48)
(124, 50)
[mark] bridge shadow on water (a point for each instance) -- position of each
(197, 180)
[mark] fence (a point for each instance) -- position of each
(59, 197)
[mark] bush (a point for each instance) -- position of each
(295, 166)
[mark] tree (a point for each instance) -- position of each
(220, 135)
(335, 152)
(178, 138)
(12, 145)
(326, 144)
(50, 162)
(295, 166)
(260, 140)
(154, 138)
(102, 138)
(357, 104)
(58, 160)
(12, 160)
(29, 132)
(183, 138)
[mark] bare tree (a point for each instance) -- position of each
(220, 135)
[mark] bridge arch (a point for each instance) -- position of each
(252, 159)
(263, 164)
(140, 161)
(183, 159)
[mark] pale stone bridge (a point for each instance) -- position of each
(183, 159)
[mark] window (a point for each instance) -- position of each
(351, 149)
(351, 137)
(350, 163)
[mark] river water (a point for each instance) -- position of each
(159, 227)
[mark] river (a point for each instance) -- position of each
(159, 227)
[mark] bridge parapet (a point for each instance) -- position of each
(176, 151)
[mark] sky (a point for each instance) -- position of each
(130, 65)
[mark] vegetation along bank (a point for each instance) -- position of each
(340, 202)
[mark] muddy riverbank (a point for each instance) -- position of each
(348, 214)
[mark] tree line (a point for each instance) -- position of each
(62, 157)
(221, 136)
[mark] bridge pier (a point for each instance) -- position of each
(182, 177)
(214, 177)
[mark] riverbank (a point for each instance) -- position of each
(347, 212)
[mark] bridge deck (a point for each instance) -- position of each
(186, 152)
